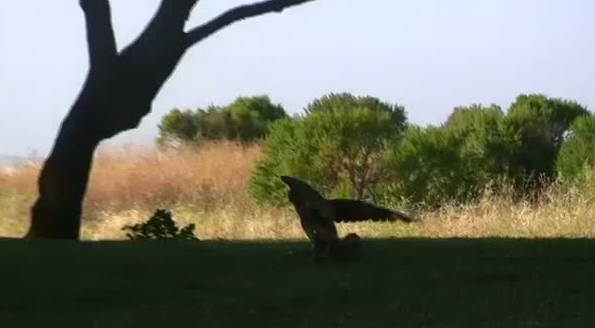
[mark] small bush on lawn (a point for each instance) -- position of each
(160, 226)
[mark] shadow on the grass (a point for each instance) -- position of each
(373, 249)
(405, 282)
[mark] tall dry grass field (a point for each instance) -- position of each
(209, 187)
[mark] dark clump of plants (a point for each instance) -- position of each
(160, 226)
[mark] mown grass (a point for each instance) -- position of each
(393, 283)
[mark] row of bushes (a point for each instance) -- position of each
(247, 119)
(364, 148)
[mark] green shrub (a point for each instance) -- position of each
(338, 151)
(178, 126)
(341, 102)
(536, 125)
(160, 226)
(426, 164)
(485, 148)
(250, 117)
(247, 119)
(453, 162)
(577, 153)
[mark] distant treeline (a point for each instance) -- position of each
(365, 148)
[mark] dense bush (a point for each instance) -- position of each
(451, 162)
(160, 226)
(480, 146)
(362, 147)
(341, 102)
(337, 149)
(178, 126)
(577, 153)
(482, 140)
(250, 117)
(423, 165)
(536, 126)
(355, 146)
(246, 119)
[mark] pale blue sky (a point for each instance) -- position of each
(428, 55)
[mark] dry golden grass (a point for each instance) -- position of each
(215, 174)
(208, 187)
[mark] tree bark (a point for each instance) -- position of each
(117, 93)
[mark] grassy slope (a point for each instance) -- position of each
(394, 283)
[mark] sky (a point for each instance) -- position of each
(426, 55)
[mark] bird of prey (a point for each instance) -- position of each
(318, 216)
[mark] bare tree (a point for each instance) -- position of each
(117, 93)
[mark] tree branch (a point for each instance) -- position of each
(100, 34)
(236, 14)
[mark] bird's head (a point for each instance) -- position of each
(299, 191)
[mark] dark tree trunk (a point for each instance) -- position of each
(117, 94)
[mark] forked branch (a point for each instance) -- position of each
(100, 34)
(237, 14)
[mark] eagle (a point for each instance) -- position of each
(318, 216)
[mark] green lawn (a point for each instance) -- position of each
(394, 283)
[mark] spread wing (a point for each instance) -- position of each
(347, 210)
